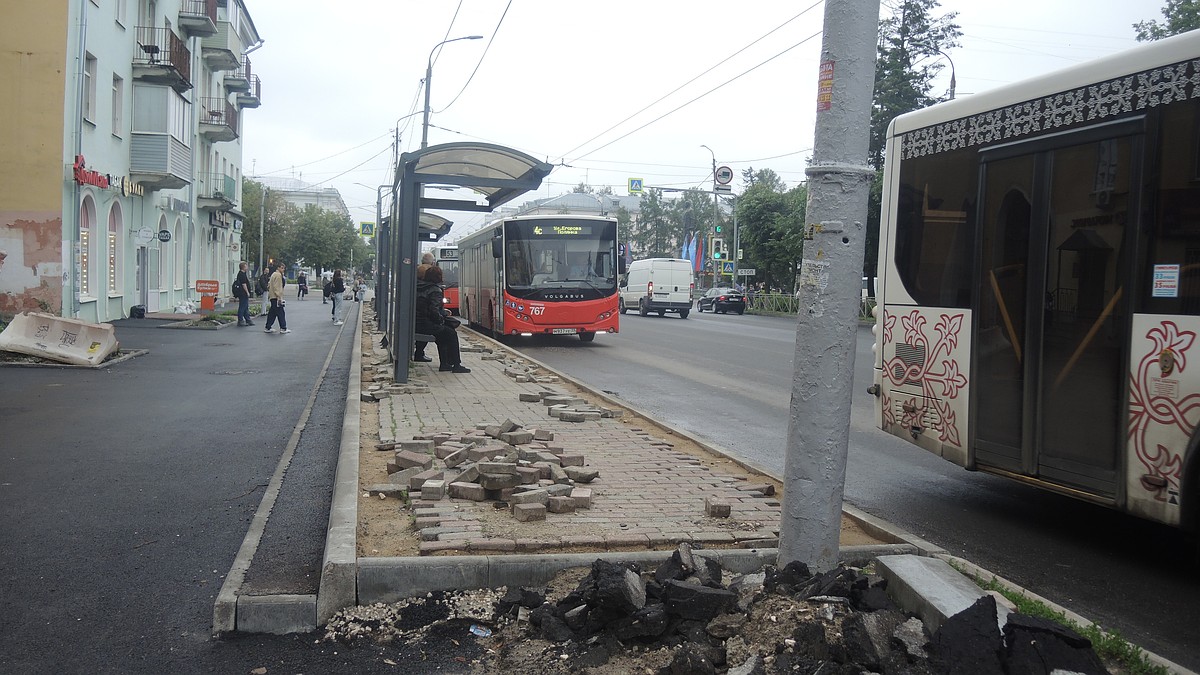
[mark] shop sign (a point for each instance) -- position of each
(122, 184)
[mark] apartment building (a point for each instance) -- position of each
(121, 152)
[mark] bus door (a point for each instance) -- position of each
(1051, 328)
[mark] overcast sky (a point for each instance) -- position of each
(579, 84)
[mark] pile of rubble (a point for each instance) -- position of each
(681, 618)
(504, 463)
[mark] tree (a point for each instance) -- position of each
(910, 44)
(771, 228)
(650, 239)
(273, 228)
(1181, 16)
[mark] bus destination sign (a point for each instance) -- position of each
(562, 230)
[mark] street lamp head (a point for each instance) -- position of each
(428, 77)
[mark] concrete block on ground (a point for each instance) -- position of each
(542, 434)
(433, 489)
(930, 588)
(558, 475)
(556, 410)
(529, 497)
(529, 474)
(582, 497)
(455, 458)
(573, 459)
(508, 425)
(390, 490)
(468, 473)
(561, 505)
(528, 512)
(402, 476)
(517, 437)
(276, 614)
(444, 451)
(419, 479)
(716, 507)
(417, 445)
(571, 416)
(407, 458)
(385, 446)
(498, 467)
(529, 398)
(492, 430)
(499, 481)
(471, 491)
(580, 474)
(485, 452)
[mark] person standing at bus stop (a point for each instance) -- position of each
(337, 290)
(419, 347)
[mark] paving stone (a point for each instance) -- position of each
(559, 489)
(418, 479)
(388, 490)
(433, 489)
(573, 459)
(517, 437)
(508, 425)
(765, 489)
(716, 507)
(581, 475)
(530, 398)
(407, 458)
(571, 416)
(498, 467)
(530, 497)
(385, 446)
(471, 491)
(468, 473)
(444, 451)
(558, 475)
(529, 474)
(528, 512)
(455, 458)
(582, 497)
(560, 505)
(542, 434)
(498, 481)
(417, 445)
(402, 476)
(492, 430)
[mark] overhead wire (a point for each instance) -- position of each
(698, 76)
(340, 152)
(481, 58)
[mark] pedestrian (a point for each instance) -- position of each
(241, 291)
(326, 277)
(360, 289)
(419, 347)
(337, 289)
(261, 287)
(301, 285)
(275, 294)
(431, 319)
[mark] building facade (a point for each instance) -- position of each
(120, 184)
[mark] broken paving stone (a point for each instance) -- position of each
(716, 507)
(385, 446)
(580, 474)
(391, 490)
(425, 446)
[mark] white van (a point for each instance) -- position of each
(658, 285)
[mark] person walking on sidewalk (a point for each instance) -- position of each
(301, 285)
(337, 290)
(241, 291)
(431, 319)
(275, 292)
(326, 279)
(261, 286)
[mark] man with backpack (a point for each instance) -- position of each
(260, 287)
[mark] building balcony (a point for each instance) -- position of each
(218, 120)
(198, 18)
(223, 49)
(159, 161)
(216, 192)
(162, 58)
(253, 97)
(238, 81)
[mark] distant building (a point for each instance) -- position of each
(121, 179)
(301, 194)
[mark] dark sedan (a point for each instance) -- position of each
(722, 300)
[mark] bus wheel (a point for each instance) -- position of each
(587, 336)
(621, 305)
(642, 311)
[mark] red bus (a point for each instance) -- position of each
(541, 275)
(445, 256)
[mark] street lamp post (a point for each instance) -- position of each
(952, 82)
(428, 78)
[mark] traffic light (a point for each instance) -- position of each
(718, 228)
(718, 249)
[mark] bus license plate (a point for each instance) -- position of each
(563, 331)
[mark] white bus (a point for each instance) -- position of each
(1039, 297)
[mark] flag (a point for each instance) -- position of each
(699, 259)
(683, 250)
(691, 254)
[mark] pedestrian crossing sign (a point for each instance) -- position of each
(635, 186)
(366, 229)
(727, 267)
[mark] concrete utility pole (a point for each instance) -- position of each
(831, 271)
(716, 265)
(262, 209)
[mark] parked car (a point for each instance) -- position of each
(722, 300)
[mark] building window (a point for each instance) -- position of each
(114, 257)
(87, 219)
(89, 87)
(118, 106)
(180, 244)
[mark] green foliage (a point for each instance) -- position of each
(1109, 645)
(771, 228)
(1180, 16)
(311, 237)
(910, 42)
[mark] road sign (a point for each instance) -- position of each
(723, 189)
(747, 272)
(724, 175)
(366, 229)
(635, 186)
(727, 267)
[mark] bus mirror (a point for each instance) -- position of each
(497, 247)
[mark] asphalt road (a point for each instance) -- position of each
(126, 492)
(728, 378)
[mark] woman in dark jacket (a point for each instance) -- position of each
(431, 320)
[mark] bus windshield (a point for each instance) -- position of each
(547, 257)
(449, 271)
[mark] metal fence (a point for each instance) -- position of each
(786, 303)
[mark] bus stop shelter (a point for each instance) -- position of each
(498, 174)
